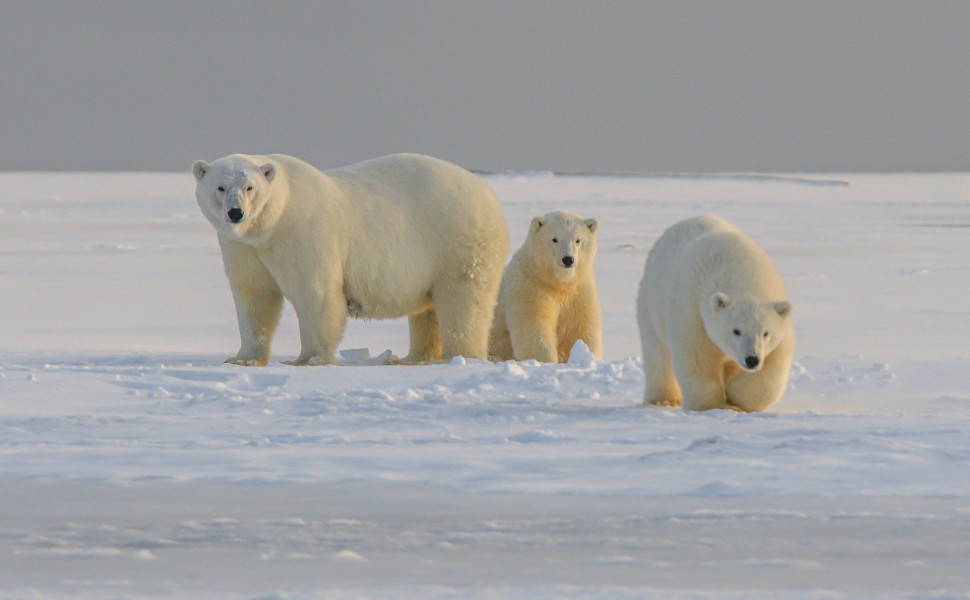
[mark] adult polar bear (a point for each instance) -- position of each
(714, 320)
(394, 236)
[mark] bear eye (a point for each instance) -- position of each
(765, 334)
(578, 241)
(249, 189)
(737, 332)
(555, 240)
(221, 188)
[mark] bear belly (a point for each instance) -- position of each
(389, 307)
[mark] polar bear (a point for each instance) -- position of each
(548, 297)
(714, 320)
(399, 235)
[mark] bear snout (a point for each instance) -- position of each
(235, 214)
(751, 362)
(567, 261)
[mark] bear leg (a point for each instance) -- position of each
(660, 383)
(322, 322)
(699, 376)
(581, 319)
(258, 312)
(425, 344)
(464, 317)
(499, 342)
(532, 329)
(703, 394)
(258, 301)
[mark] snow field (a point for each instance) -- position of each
(134, 464)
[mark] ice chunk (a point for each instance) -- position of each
(581, 356)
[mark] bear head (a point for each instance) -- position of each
(235, 194)
(745, 330)
(562, 242)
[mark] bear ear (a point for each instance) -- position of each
(591, 224)
(720, 300)
(269, 171)
(783, 308)
(537, 223)
(200, 168)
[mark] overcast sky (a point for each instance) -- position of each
(604, 85)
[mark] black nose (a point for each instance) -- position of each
(235, 214)
(567, 261)
(751, 361)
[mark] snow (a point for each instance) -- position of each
(134, 464)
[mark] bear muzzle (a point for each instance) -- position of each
(568, 262)
(235, 214)
(751, 362)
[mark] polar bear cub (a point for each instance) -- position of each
(714, 320)
(403, 235)
(548, 298)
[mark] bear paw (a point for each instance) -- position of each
(413, 363)
(311, 361)
(246, 362)
(394, 361)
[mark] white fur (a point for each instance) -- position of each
(545, 306)
(710, 300)
(400, 235)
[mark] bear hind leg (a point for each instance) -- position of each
(464, 316)
(425, 342)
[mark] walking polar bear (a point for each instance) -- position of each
(548, 298)
(714, 320)
(400, 235)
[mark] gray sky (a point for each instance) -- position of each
(844, 85)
